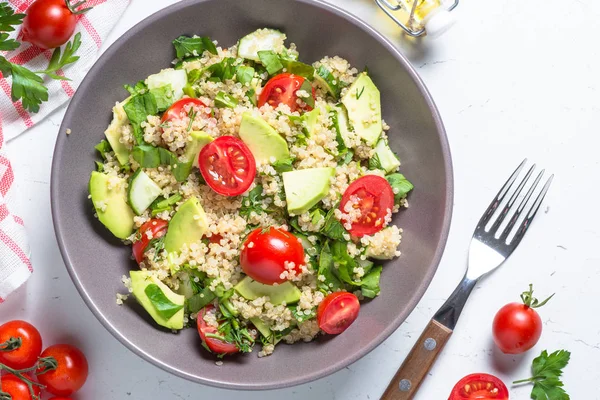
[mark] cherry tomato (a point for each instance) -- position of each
(27, 353)
(479, 386)
(61, 398)
(215, 345)
(179, 109)
(516, 328)
(17, 388)
(48, 23)
(227, 165)
(282, 89)
(215, 238)
(372, 196)
(266, 252)
(157, 228)
(71, 373)
(337, 312)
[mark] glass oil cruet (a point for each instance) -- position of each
(420, 17)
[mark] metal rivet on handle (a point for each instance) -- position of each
(405, 385)
(430, 344)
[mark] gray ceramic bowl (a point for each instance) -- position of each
(96, 261)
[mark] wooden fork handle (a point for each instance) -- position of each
(413, 371)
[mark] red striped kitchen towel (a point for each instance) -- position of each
(15, 265)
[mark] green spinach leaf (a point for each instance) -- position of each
(164, 307)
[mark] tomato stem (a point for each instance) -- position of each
(46, 364)
(5, 396)
(73, 7)
(528, 380)
(532, 302)
(19, 373)
(11, 344)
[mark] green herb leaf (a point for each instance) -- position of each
(283, 165)
(224, 100)
(333, 228)
(400, 185)
(200, 300)
(186, 47)
(103, 147)
(359, 93)
(8, 18)
(99, 166)
(223, 70)
(254, 202)
(165, 307)
(163, 96)
(270, 61)
(68, 57)
(251, 95)
(146, 155)
(26, 85)
(7, 44)
(244, 74)
(547, 370)
(298, 68)
(137, 109)
(375, 162)
(309, 99)
(330, 282)
(300, 315)
(369, 285)
(138, 88)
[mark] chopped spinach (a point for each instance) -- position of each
(186, 46)
(224, 100)
(244, 74)
(103, 147)
(139, 87)
(284, 165)
(164, 307)
(163, 96)
(333, 228)
(271, 61)
(400, 185)
(137, 109)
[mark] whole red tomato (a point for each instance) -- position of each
(17, 388)
(517, 327)
(20, 344)
(268, 252)
(49, 23)
(71, 371)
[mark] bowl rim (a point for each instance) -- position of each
(312, 375)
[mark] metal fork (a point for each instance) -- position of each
(489, 248)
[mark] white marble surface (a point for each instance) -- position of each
(511, 79)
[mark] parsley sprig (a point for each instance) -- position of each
(28, 86)
(547, 370)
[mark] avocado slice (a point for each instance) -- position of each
(199, 140)
(341, 126)
(306, 187)
(155, 306)
(363, 102)
(284, 292)
(111, 204)
(264, 141)
(113, 133)
(387, 159)
(187, 226)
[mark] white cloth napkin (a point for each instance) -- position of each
(94, 26)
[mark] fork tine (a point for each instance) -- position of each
(499, 197)
(530, 214)
(522, 205)
(512, 200)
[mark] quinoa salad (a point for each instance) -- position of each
(256, 191)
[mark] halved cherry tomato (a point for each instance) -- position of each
(479, 386)
(157, 228)
(282, 89)
(373, 196)
(70, 374)
(20, 344)
(337, 312)
(215, 238)
(215, 345)
(17, 388)
(177, 109)
(266, 252)
(227, 165)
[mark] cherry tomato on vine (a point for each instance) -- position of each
(71, 371)
(479, 386)
(157, 228)
(266, 252)
(337, 312)
(372, 196)
(17, 388)
(20, 344)
(282, 88)
(517, 327)
(50, 23)
(215, 345)
(227, 165)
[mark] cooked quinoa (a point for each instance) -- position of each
(317, 130)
